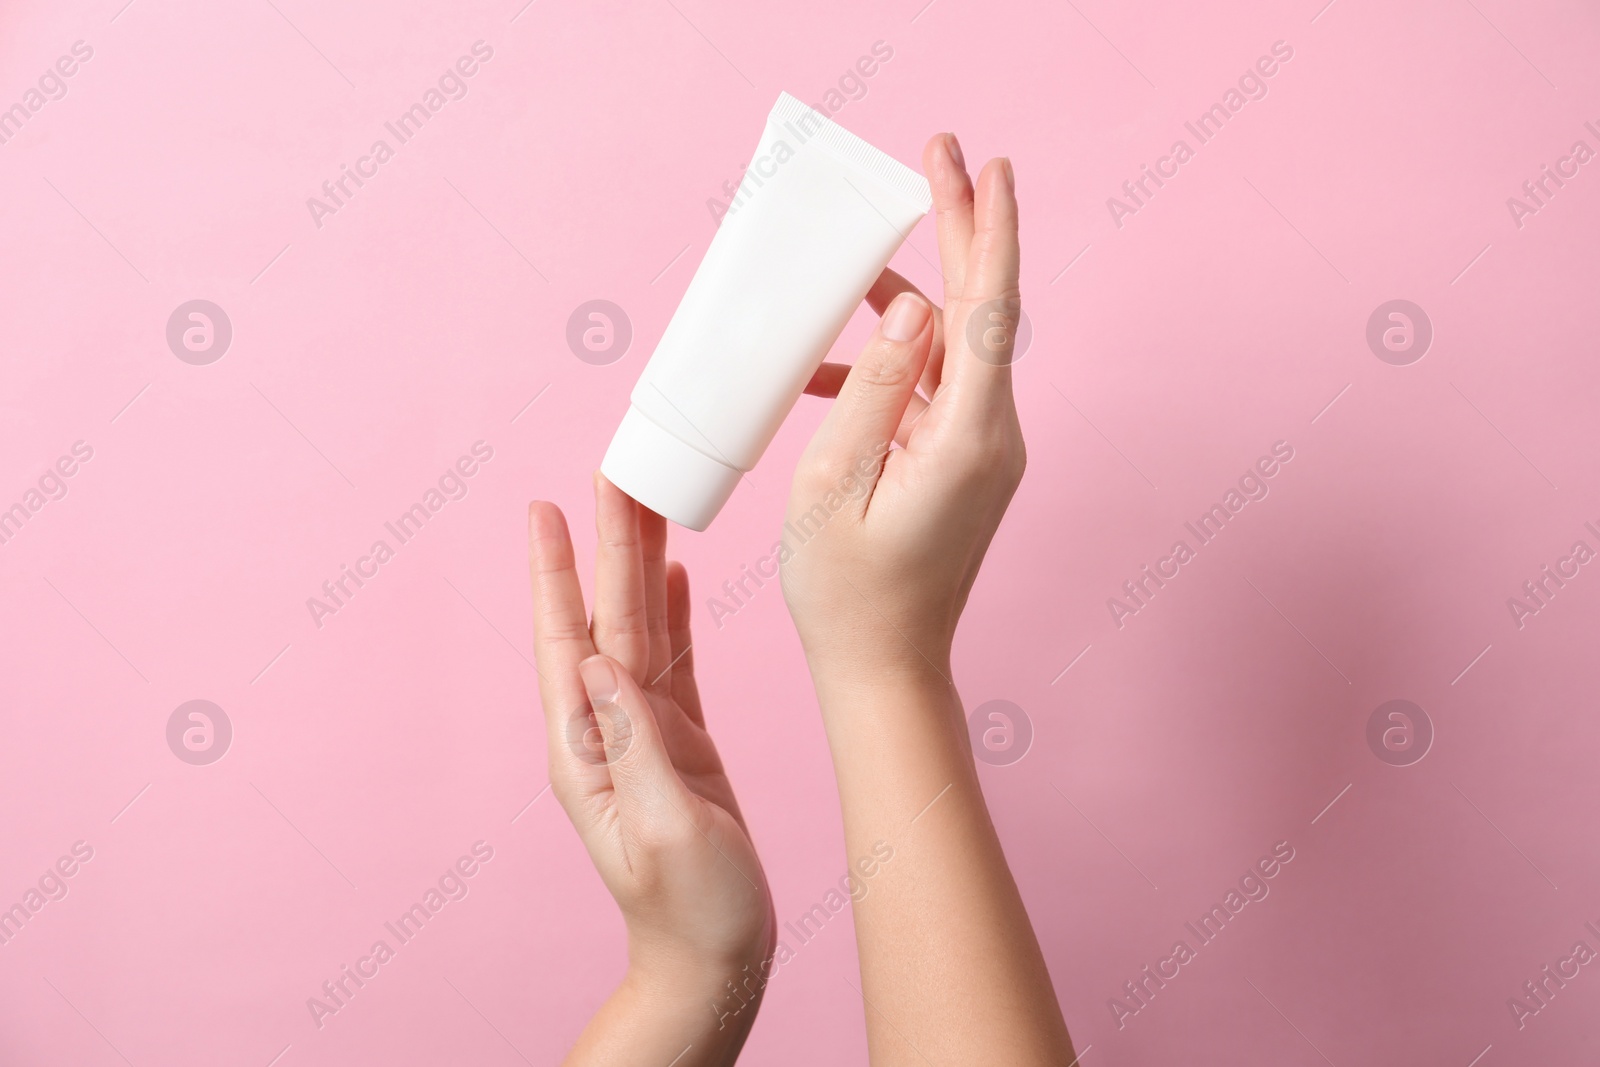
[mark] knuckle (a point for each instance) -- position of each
(560, 626)
(665, 833)
(623, 621)
(888, 366)
(562, 790)
(836, 473)
(996, 455)
(618, 729)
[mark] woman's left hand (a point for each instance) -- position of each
(638, 775)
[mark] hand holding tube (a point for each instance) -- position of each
(906, 549)
(950, 967)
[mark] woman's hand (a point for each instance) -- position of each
(878, 582)
(883, 547)
(636, 772)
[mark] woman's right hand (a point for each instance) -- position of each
(884, 545)
(880, 535)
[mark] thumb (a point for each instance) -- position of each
(874, 396)
(636, 755)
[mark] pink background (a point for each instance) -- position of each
(369, 354)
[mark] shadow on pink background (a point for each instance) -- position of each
(1177, 340)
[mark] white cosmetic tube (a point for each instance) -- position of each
(815, 220)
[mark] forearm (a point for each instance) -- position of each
(950, 966)
(682, 1021)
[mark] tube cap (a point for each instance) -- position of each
(665, 475)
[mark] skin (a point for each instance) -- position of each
(951, 971)
(638, 775)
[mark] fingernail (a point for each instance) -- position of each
(953, 146)
(905, 317)
(1011, 175)
(599, 680)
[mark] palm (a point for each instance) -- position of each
(694, 755)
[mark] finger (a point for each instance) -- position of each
(830, 378)
(875, 396)
(560, 642)
(891, 284)
(992, 299)
(952, 205)
(642, 775)
(995, 257)
(653, 552)
(679, 609)
(621, 624)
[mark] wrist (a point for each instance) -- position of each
(871, 639)
(668, 986)
(658, 1017)
(714, 1001)
(860, 682)
(674, 978)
